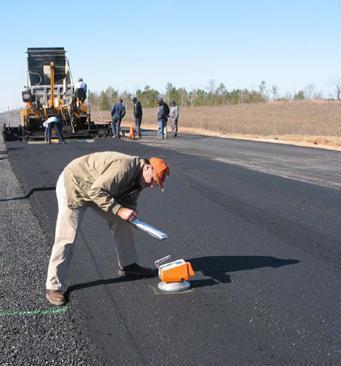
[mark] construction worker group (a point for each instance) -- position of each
(118, 111)
(164, 113)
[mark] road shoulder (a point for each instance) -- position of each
(33, 332)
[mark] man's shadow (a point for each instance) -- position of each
(218, 267)
(108, 281)
(214, 267)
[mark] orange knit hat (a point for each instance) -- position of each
(161, 170)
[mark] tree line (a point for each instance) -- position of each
(211, 96)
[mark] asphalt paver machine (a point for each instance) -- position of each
(50, 92)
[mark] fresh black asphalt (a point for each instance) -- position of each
(266, 249)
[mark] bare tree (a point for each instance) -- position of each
(274, 92)
(337, 84)
(211, 86)
(308, 91)
(263, 90)
(318, 95)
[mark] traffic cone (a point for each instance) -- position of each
(132, 131)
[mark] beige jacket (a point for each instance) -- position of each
(108, 179)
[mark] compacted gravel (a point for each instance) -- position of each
(32, 331)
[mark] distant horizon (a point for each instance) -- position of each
(279, 101)
(291, 45)
(284, 96)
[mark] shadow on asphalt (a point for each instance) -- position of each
(217, 267)
(10, 148)
(108, 281)
(18, 198)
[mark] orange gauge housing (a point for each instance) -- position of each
(176, 271)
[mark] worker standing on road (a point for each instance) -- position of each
(166, 108)
(161, 118)
(81, 90)
(174, 117)
(53, 122)
(110, 183)
(138, 116)
(117, 113)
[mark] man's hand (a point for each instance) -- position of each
(126, 214)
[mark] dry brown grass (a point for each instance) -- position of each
(310, 122)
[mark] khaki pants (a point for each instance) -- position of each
(68, 222)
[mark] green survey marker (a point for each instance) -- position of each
(52, 311)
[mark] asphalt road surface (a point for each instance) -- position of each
(261, 225)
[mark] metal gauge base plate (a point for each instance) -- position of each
(174, 286)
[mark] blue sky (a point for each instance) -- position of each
(131, 44)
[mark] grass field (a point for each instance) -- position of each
(318, 123)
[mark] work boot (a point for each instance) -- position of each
(134, 270)
(55, 297)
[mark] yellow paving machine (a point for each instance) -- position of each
(50, 92)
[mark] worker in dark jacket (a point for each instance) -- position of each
(162, 116)
(109, 183)
(81, 90)
(138, 116)
(166, 108)
(117, 113)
